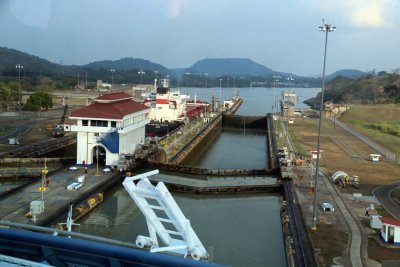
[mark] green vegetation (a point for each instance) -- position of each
(381, 88)
(379, 122)
(39, 100)
(8, 95)
(392, 128)
(300, 152)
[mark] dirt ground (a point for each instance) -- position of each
(335, 158)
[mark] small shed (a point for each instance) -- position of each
(390, 231)
(314, 154)
(375, 157)
(375, 222)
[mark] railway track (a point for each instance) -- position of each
(40, 148)
(343, 145)
(303, 251)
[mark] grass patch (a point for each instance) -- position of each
(378, 122)
(4, 130)
(280, 138)
(297, 144)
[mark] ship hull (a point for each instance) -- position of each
(160, 129)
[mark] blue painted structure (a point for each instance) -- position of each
(63, 251)
(111, 141)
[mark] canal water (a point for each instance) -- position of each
(237, 230)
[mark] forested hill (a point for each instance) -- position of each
(354, 74)
(9, 58)
(373, 88)
(231, 66)
(127, 63)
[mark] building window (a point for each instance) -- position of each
(85, 122)
(98, 123)
(96, 134)
(113, 124)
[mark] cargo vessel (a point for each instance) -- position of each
(170, 109)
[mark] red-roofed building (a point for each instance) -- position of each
(109, 128)
(390, 232)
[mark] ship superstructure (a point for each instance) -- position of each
(170, 109)
(288, 103)
(169, 105)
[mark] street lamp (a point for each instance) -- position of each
(112, 77)
(19, 67)
(187, 79)
(220, 89)
(325, 28)
(156, 73)
(206, 74)
(276, 80)
(289, 79)
(141, 73)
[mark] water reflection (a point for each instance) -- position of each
(239, 230)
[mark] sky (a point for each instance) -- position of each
(282, 35)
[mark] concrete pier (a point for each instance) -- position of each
(15, 207)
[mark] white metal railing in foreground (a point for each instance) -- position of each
(164, 218)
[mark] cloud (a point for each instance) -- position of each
(361, 13)
(370, 14)
(174, 8)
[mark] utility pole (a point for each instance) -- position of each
(325, 28)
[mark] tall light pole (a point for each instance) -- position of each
(156, 73)
(206, 74)
(276, 80)
(141, 73)
(325, 28)
(112, 77)
(187, 79)
(220, 90)
(19, 67)
(290, 80)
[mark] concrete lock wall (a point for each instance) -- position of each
(250, 122)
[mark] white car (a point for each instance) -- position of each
(327, 207)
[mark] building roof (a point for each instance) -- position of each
(116, 109)
(112, 97)
(390, 221)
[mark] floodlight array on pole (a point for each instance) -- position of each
(325, 28)
(141, 73)
(276, 80)
(112, 77)
(19, 67)
(187, 79)
(290, 80)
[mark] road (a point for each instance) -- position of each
(383, 194)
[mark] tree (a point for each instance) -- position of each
(392, 90)
(39, 100)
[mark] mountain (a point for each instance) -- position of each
(230, 66)
(9, 58)
(349, 73)
(127, 63)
